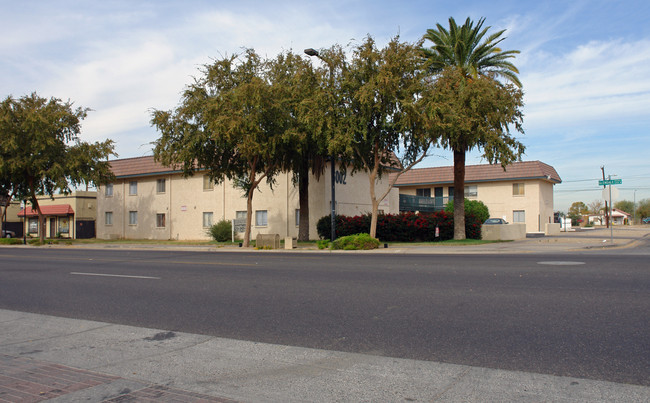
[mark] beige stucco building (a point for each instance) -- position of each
(522, 193)
(151, 201)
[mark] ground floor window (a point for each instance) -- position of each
(261, 218)
(33, 225)
(133, 218)
(207, 219)
(423, 192)
(297, 217)
(108, 218)
(519, 216)
(160, 220)
(64, 225)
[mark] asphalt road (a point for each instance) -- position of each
(580, 315)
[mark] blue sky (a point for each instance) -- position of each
(584, 66)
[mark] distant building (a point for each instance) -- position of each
(522, 193)
(66, 216)
(150, 201)
(619, 217)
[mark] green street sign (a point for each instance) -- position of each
(610, 182)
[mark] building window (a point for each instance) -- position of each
(160, 186)
(423, 192)
(471, 191)
(133, 188)
(208, 184)
(108, 218)
(108, 190)
(519, 216)
(33, 225)
(207, 219)
(133, 218)
(297, 217)
(240, 215)
(261, 218)
(518, 189)
(160, 220)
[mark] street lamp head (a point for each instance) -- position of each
(311, 52)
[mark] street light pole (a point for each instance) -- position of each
(313, 52)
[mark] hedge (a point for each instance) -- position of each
(403, 227)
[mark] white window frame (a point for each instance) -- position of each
(519, 216)
(108, 218)
(208, 219)
(297, 217)
(108, 190)
(133, 217)
(133, 188)
(471, 191)
(240, 214)
(519, 189)
(261, 218)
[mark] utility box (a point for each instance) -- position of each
(289, 242)
(267, 241)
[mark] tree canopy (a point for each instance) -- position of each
(41, 153)
(470, 107)
(382, 121)
(233, 122)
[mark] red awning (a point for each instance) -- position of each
(56, 210)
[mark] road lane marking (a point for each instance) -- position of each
(561, 263)
(113, 275)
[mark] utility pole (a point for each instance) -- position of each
(606, 210)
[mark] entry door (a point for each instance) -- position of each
(52, 227)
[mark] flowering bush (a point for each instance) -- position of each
(403, 227)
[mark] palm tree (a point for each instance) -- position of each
(470, 51)
(466, 49)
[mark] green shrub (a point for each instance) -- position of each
(11, 241)
(323, 243)
(356, 242)
(472, 207)
(221, 231)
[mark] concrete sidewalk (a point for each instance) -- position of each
(582, 240)
(44, 357)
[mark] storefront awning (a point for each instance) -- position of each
(58, 210)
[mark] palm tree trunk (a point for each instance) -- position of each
(459, 194)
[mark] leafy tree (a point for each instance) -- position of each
(576, 210)
(595, 207)
(231, 122)
(298, 86)
(643, 209)
(41, 153)
(383, 123)
(470, 107)
(625, 205)
(474, 114)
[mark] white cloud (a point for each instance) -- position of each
(595, 82)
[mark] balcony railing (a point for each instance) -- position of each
(422, 203)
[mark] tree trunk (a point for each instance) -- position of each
(459, 195)
(249, 213)
(303, 195)
(372, 176)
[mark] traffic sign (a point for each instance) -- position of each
(610, 182)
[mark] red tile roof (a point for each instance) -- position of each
(139, 166)
(55, 210)
(480, 173)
